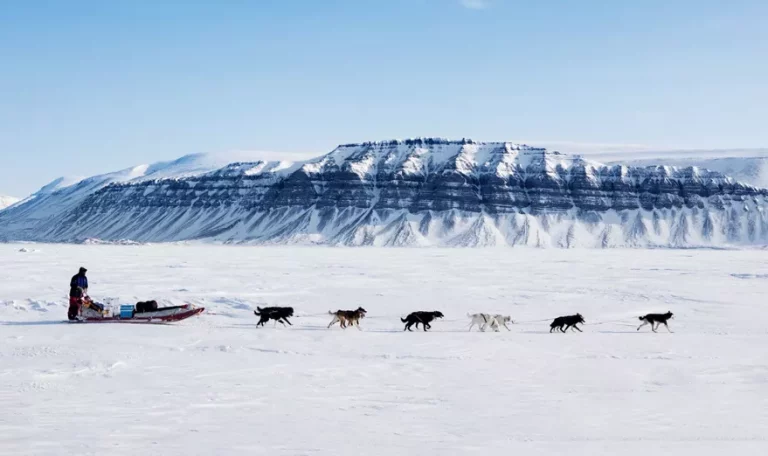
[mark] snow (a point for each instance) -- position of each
(196, 164)
(60, 183)
(216, 384)
(6, 201)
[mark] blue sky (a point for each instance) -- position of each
(92, 86)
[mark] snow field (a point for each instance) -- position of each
(216, 384)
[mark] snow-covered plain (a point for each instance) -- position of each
(218, 385)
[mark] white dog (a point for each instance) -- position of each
(501, 320)
(486, 320)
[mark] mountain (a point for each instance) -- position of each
(6, 201)
(66, 194)
(420, 192)
(749, 166)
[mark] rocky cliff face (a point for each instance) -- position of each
(410, 193)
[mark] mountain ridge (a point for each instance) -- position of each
(417, 192)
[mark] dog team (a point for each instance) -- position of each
(484, 321)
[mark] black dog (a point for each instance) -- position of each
(280, 314)
(420, 317)
(655, 320)
(569, 321)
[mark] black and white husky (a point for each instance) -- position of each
(655, 320)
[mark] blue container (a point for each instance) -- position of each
(126, 310)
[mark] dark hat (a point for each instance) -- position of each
(83, 269)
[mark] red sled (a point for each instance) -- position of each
(161, 315)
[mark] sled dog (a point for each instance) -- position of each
(655, 320)
(422, 317)
(280, 314)
(347, 317)
(569, 321)
(484, 320)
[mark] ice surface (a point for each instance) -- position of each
(218, 385)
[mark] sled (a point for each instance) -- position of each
(161, 315)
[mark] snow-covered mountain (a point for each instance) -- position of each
(6, 201)
(749, 166)
(403, 193)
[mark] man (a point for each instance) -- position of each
(78, 288)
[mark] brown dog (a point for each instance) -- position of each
(345, 317)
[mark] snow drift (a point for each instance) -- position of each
(418, 192)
